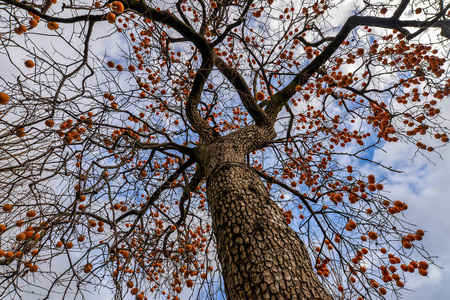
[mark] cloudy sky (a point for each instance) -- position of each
(425, 187)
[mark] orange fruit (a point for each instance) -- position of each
(372, 235)
(31, 214)
(52, 25)
(33, 268)
(33, 23)
(87, 268)
(29, 63)
(117, 7)
(260, 96)
(111, 17)
(49, 123)
(4, 98)
(20, 237)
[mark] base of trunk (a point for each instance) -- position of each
(260, 255)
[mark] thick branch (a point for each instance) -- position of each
(166, 146)
(236, 79)
(198, 123)
(80, 18)
(400, 9)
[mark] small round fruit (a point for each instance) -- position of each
(260, 96)
(29, 63)
(4, 98)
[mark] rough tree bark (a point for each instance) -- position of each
(260, 255)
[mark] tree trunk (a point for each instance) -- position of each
(260, 255)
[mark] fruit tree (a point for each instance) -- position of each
(211, 149)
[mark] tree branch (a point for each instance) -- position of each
(198, 123)
(282, 97)
(400, 9)
(243, 90)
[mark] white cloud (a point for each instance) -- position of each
(425, 188)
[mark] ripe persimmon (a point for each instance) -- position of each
(33, 23)
(21, 29)
(87, 268)
(31, 214)
(260, 96)
(29, 63)
(52, 25)
(111, 17)
(33, 268)
(117, 7)
(4, 98)
(423, 272)
(372, 235)
(423, 265)
(49, 123)
(29, 234)
(20, 237)
(7, 207)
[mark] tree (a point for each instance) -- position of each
(148, 147)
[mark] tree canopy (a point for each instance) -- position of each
(117, 119)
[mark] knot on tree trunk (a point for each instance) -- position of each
(232, 148)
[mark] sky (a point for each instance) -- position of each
(423, 185)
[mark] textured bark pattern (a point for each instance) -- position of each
(260, 255)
